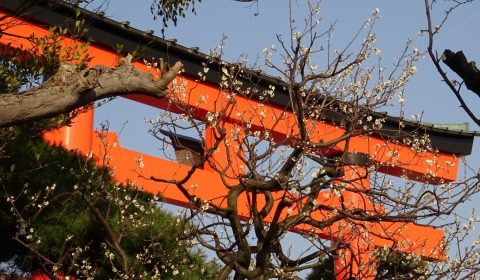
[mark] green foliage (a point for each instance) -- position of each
(170, 10)
(45, 206)
(28, 67)
(18, 69)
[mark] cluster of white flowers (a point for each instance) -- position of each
(212, 119)
(268, 93)
(202, 74)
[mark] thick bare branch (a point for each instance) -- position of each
(465, 69)
(70, 88)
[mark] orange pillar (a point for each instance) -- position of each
(39, 275)
(357, 259)
(78, 136)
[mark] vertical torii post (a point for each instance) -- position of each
(357, 259)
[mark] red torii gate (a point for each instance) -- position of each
(408, 237)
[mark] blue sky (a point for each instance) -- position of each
(249, 33)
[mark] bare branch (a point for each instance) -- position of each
(70, 88)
